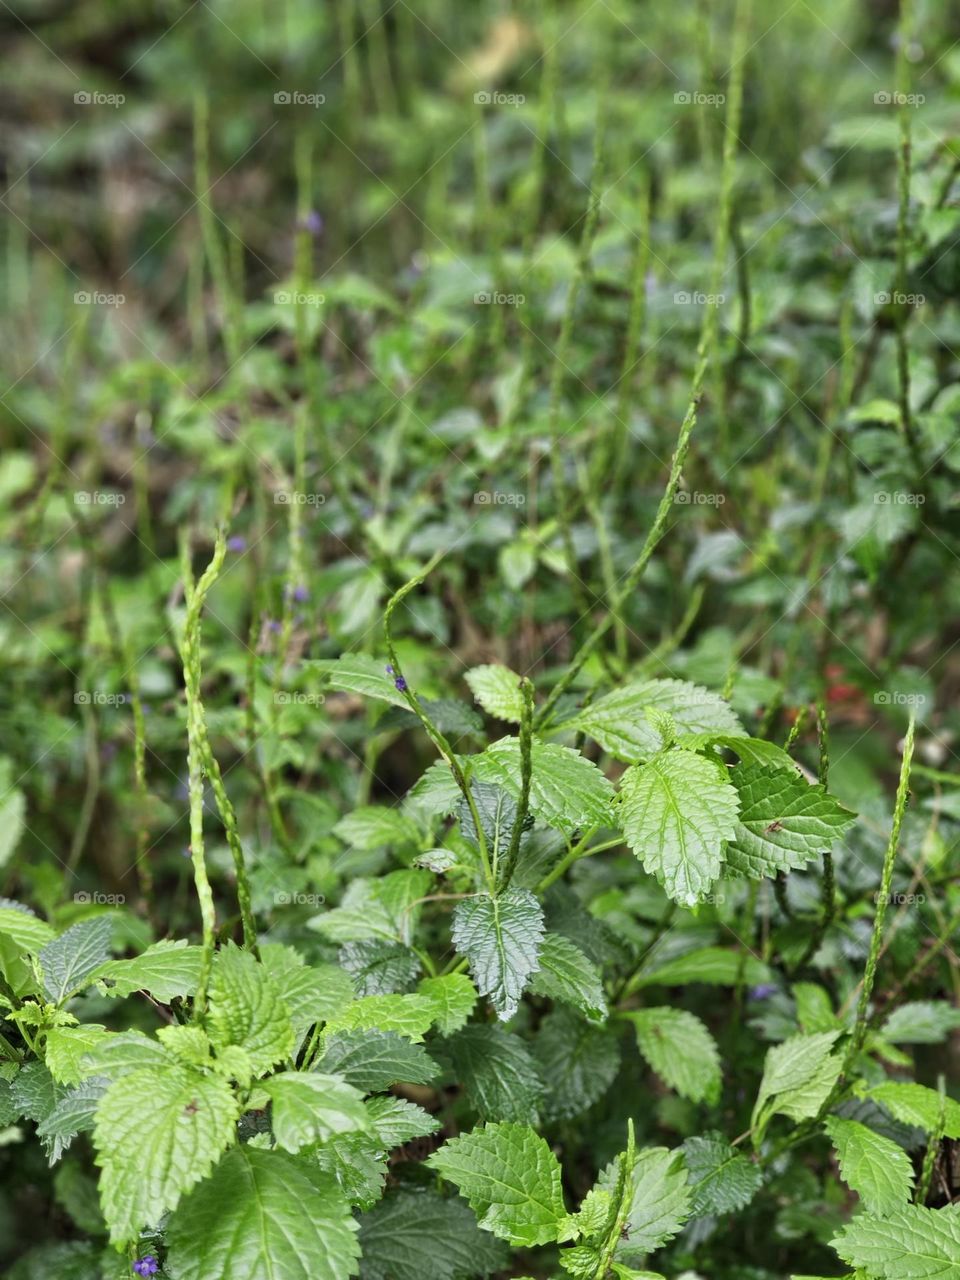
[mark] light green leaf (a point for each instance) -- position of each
(312, 993)
(357, 673)
(660, 1205)
(619, 722)
(750, 750)
(377, 826)
(68, 962)
(680, 1049)
(497, 689)
(676, 813)
(784, 821)
(721, 1179)
(566, 974)
(921, 1022)
(913, 1243)
(158, 1131)
(501, 939)
(66, 1047)
(510, 1178)
(166, 969)
(13, 808)
(717, 966)
(453, 997)
(875, 1168)
(567, 791)
(396, 1121)
(26, 929)
(797, 1078)
(408, 1015)
(246, 1009)
(915, 1104)
(309, 1107)
(121, 1053)
(263, 1214)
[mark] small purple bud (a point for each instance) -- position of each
(401, 684)
(237, 543)
(762, 992)
(313, 222)
(274, 625)
(388, 669)
(301, 593)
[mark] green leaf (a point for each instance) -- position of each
(26, 929)
(913, 1243)
(377, 827)
(797, 1078)
(921, 1022)
(749, 750)
(660, 1204)
(721, 1180)
(497, 689)
(497, 812)
(13, 808)
(676, 813)
(119, 1054)
(875, 1168)
(501, 939)
(396, 1121)
(510, 1178)
(246, 1009)
(417, 1235)
(375, 1060)
(66, 1047)
(263, 1214)
(496, 1071)
(166, 969)
(68, 962)
(453, 997)
(578, 1061)
(567, 791)
(915, 1104)
(312, 993)
(358, 1163)
(35, 1094)
(309, 1107)
(158, 1131)
(566, 974)
(74, 1113)
(357, 673)
(408, 1015)
(717, 966)
(784, 821)
(619, 723)
(680, 1049)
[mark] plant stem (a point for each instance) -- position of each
(526, 773)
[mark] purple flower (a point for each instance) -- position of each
(274, 625)
(400, 684)
(388, 669)
(146, 1266)
(313, 222)
(762, 992)
(301, 593)
(237, 543)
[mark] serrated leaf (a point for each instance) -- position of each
(68, 962)
(875, 1168)
(797, 1078)
(501, 939)
(263, 1214)
(749, 750)
(619, 722)
(26, 929)
(73, 1113)
(676, 813)
(921, 1022)
(408, 1015)
(566, 974)
(578, 1061)
(376, 827)
(784, 821)
(396, 1121)
(680, 1049)
(309, 1107)
(312, 993)
(357, 673)
(913, 1243)
(121, 1053)
(157, 1133)
(716, 966)
(567, 791)
(35, 1094)
(510, 1178)
(496, 1071)
(497, 689)
(721, 1179)
(374, 1060)
(66, 1048)
(453, 997)
(358, 1164)
(660, 1203)
(166, 969)
(497, 813)
(915, 1104)
(417, 1235)
(246, 1009)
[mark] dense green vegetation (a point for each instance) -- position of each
(480, 795)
